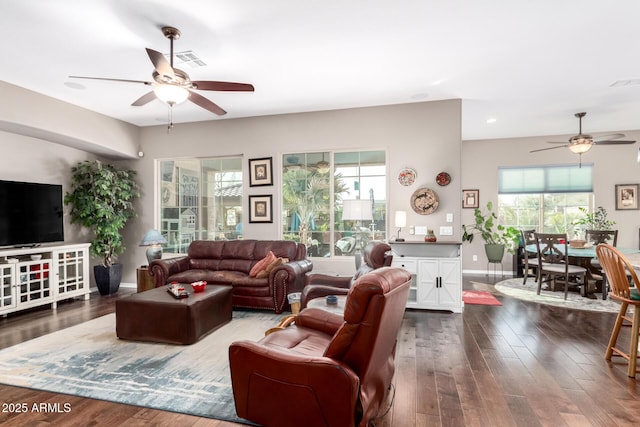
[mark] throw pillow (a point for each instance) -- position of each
(262, 264)
(265, 273)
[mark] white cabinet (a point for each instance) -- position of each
(30, 277)
(436, 274)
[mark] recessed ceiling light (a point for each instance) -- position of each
(74, 85)
(491, 120)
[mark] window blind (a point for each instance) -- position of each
(546, 179)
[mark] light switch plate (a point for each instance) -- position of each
(421, 230)
(446, 231)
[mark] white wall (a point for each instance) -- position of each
(424, 136)
(615, 164)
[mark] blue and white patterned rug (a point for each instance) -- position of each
(88, 360)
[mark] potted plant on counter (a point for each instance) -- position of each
(498, 238)
(101, 199)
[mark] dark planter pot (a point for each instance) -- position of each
(494, 252)
(108, 278)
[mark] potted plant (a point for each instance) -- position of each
(497, 237)
(101, 199)
(596, 221)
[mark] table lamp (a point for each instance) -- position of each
(401, 221)
(357, 210)
(153, 239)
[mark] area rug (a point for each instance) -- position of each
(528, 292)
(88, 360)
(479, 298)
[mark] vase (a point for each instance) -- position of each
(430, 237)
(494, 252)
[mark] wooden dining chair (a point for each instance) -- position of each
(529, 260)
(596, 237)
(553, 261)
(617, 267)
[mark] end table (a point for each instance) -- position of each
(144, 279)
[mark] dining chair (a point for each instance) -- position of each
(596, 237)
(529, 259)
(553, 261)
(617, 268)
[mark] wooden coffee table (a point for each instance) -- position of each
(157, 316)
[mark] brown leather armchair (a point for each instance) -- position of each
(326, 370)
(376, 255)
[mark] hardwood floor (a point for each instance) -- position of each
(521, 364)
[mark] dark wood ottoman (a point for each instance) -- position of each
(155, 315)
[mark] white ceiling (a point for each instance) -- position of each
(528, 64)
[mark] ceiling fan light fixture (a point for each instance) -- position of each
(580, 144)
(170, 93)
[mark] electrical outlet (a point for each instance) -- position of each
(449, 217)
(412, 230)
(475, 257)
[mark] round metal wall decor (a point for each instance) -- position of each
(424, 201)
(407, 176)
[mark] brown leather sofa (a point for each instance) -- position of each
(318, 285)
(326, 370)
(230, 262)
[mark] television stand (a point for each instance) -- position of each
(39, 275)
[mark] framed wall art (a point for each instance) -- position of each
(627, 196)
(260, 172)
(470, 199)
(260, 209)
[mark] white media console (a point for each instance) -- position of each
(41, 275)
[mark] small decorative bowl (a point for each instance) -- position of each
(199, 286)
(332, 300)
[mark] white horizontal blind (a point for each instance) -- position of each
(546, 179)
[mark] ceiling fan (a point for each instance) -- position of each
(173, 86)
(581, 143)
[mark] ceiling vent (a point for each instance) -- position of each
(621, 83)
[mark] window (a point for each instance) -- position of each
(200, 199)
(314, 205)
(547, 198)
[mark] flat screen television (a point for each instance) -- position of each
(30, 213)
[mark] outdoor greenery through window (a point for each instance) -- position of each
(545, 198)
(333, 201)
(200, 199)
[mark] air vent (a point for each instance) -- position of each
(186, 57)
(630, 82)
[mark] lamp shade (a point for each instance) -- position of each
(153, 237)
(170, 93)
(401, 219)
(357, 210)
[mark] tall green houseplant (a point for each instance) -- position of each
(101, 199)
(497, 237)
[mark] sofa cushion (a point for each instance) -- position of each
(220, 277)
(262, 264)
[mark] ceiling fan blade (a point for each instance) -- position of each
(614, 142)
(206, 103)
(550, 148)
(223, 86)
(161, 64)
(145, 99)
(110, 80)
(607, 137)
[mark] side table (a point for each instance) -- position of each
(144, 279)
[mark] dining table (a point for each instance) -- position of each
(583, 257)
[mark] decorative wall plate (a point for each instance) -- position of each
(443, 179)
(407, 176)
(424, 201)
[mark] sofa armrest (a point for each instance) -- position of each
(329, 280)
(286, 278)
(161, 269)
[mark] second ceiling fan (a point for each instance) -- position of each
(581, 143)
(173, 86)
